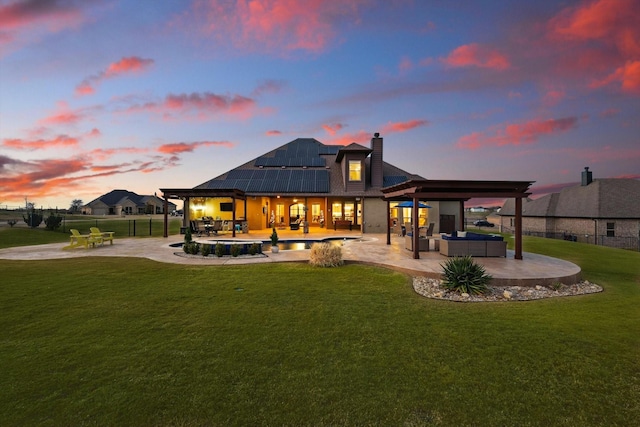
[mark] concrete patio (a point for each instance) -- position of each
(370, 249)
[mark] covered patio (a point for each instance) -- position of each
(418, 191)
(187, 194)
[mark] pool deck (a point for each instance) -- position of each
(371, 249)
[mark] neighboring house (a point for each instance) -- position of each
(601, 211)
(306, 180)
(123, 202)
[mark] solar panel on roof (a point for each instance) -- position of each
(271, 175)
(388, 181)
(295, 186)
(280, 186)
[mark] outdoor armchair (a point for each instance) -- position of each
(103, 235)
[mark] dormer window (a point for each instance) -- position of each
(355, 170)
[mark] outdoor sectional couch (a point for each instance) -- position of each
(474, 244)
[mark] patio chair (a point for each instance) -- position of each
(195, 228)
(103, 235)
(428, 231)
(77, 239)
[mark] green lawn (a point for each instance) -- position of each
(23, 236)
(115, 341)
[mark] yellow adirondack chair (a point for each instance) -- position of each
(77, 239)
(102, 235)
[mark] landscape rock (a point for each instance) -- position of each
(432, 288)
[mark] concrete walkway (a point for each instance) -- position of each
(369, 248)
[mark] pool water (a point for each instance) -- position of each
(298, 245)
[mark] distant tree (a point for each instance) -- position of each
(33, 218)
(76, 204)
(53, 221)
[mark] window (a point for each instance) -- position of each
(355, 170)
(611, 229)
(336, 211)
(280, 213)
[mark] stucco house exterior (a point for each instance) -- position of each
(123, 202)
(599, 211)
(324, 186)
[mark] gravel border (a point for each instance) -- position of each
(432, 288)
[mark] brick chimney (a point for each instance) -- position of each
(587, 177)
(376, 161)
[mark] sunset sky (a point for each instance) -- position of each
(97, 95)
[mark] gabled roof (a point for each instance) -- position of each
(302, 166)
(118, 197)
(352, 148)
(115, 197)
(602, 198)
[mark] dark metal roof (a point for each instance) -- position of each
(456, 190)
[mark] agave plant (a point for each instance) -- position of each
(463, 274)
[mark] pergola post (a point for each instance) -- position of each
(415, 236)
(518, 229)
(388, 222)
(166, 217)
(461, 218)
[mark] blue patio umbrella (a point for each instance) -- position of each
(409, 204)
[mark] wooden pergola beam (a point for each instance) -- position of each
(461, 191)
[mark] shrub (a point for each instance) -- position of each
(463, 274)
(254, 249)
(187, 236)
(235, 250)
(191, 248)
(206, 250)
(12, 222)
(53, 221)
(33, 219)
(220, 250)
(325, 255)
(274, 237)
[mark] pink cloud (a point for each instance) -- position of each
(614, 21)
(628, 76)
(126, 65)
(278, 26)
(393, 127)
(517, 134)
(36, 144)
(609, 112)
(103, 154)
(187, 147)
(405, 65)
(64, 118)
(268, 86)
(476, 55)
(27, 20)
(273, 132)
(553, 97)
(331, 129)
(202, 104)
(360, 137)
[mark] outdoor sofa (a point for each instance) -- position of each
(473, 244)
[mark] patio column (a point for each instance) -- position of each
(518, 229)
(415, 236)
(388, 223)
(461, 219)
(233, 217)
(166, 216)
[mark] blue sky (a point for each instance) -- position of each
(138, 95)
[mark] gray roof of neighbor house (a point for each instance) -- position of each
(304, 166)
(117, 197)
(602, 198)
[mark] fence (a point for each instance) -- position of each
(123, 227)
(626, 242)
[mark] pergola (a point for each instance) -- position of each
(187, 193)
(461, 191)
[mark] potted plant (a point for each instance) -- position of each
(274, 241)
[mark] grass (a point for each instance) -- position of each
(115, 341)
(20, 235)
